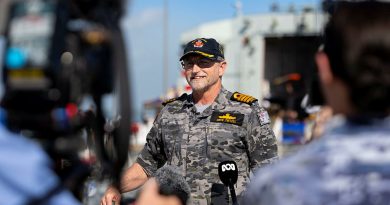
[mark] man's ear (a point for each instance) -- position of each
(222, 68)
(323, 66)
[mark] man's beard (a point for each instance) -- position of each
(196, 87)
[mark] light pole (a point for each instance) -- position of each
(165, 48)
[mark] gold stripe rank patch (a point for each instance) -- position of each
(239, 97)
(227, 117)
(168, 101)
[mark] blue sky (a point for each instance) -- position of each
(144, 30)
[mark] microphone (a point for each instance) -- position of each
(171, 182)
(228, 173)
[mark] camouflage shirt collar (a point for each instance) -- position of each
(223, 97)
(189, 102)
(219, 103)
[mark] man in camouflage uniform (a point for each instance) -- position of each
(350, 164)
(196, 132)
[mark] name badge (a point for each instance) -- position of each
(227, 117)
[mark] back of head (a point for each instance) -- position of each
(172, 182)
(357, 42)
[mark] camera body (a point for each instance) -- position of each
(32, 63)
(53, 58)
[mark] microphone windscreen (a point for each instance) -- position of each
(172, 183)
(228, 172)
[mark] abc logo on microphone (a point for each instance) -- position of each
(228, 172)
(227, 167)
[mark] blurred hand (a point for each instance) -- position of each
(111, 195)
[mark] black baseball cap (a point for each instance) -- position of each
(207, 47)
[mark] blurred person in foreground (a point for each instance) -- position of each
(196, 132)
(27, 173)
(167, 187)
(350, 164)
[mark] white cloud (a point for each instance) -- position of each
(146, 17)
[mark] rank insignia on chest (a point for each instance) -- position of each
(239, 97)
(226, 117)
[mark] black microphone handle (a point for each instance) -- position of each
(233, 193)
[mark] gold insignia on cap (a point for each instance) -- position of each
(239, 97)
(198, 43)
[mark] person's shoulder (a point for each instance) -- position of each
(12, 143)
(275, 180)
(16, 141)
(175, 101)
(247, 102)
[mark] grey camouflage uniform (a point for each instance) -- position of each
(349, 165)
(182, 137)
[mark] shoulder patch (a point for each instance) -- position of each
(169, 101)
(182, 97)
(239, 97)
(263, 117)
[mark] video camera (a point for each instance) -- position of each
(58, 52)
